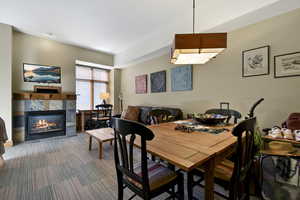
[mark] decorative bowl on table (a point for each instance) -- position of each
(210, 119)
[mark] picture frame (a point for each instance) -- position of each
(141, 86)
(182, 78)
(41, 73)
(287, 65)
(256, 62)
(158, 81)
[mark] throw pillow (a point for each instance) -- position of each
(132, 113)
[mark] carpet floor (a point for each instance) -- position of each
(64, 169)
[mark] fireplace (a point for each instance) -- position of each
(44, 124)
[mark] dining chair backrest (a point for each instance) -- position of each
(226, 112)
(158, 116)
(245, 153)
(126, 132)
(106, 110)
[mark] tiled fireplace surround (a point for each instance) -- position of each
(20, 107)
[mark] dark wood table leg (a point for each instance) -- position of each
(82, 121)
(172, 167)
(209, 179)
(90, 143)
(100, 150)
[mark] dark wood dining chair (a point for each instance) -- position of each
(103, 115)
(158, 116)
(226, 112)
(90, 119)
(233, 176)
(145, 178)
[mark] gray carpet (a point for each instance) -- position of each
(62, 169)
(275, 190)
(59, 169)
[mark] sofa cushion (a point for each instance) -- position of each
(132, 113)
(144, 110)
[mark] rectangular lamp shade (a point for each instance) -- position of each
(197, 48)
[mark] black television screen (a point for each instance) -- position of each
(41, 73)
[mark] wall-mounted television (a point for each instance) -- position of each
(41, 73)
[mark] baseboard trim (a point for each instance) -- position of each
(9, 143)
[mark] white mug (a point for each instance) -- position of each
(297, 135)
(287, 134)
(275, 132)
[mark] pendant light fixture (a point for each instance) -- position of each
(197, 48)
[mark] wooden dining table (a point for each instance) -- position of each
(190, 150)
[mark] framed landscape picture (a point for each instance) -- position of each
(141, 84)
(158, 81)
(182, 78)
(41, 73)
(256, 62)
(287, 65)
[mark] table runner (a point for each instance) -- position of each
(198, 127)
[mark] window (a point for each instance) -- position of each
(90, 83)
(83, 91)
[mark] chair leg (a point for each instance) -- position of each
(90, 143)
(100, 150)
(120, 193)
(120, 189)
(146, 196)
(190, 180)
(247, 188)
(172, 167)
(153, 158)
(181, 187)
(232, 193)
(260, 179)
(298, 163)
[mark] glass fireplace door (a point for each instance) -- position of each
(43, 124)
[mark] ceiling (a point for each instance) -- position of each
(130, 29)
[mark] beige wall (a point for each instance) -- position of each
(5, 76)
(35, 50)
(221, 78)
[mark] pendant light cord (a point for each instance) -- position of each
(193, 16)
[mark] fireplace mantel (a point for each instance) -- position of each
(43, 96)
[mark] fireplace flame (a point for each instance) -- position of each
(44, 124)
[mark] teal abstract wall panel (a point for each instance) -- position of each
(182, 78)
